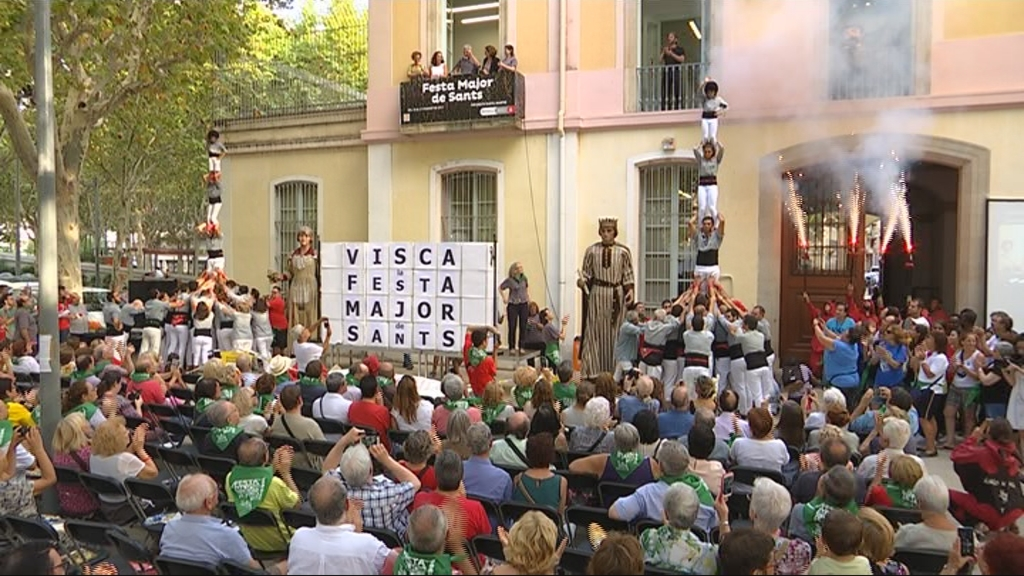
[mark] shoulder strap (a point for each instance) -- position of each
(78, 460)
(595, 444)
(522, 489)
(518, 452)
(287, 427)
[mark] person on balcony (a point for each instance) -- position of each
(489, 67)
(509, 63)
(438, 69)
(416, 71)
(672, 58)
(468, 65)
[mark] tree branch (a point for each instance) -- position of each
(24, 145)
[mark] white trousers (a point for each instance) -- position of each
(263, 346)
(226, 339)
(707, 202)
(212, 213)
(737, 375)
(215, 263)
(242, 344)
(201, 348)
(722, 370)
(177, 341)
(690, 375)
(652, 371)
(151, 338)
(669, 373)
(213, 164)
(709, 129)
(759, 384)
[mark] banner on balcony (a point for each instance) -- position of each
(406, 296)
(462, 98)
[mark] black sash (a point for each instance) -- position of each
(707, 114)
(154, 323)
(225, 324)
(768, 351)
(695, 360)
(707, 180)
(214, 253)
(756, 360)
(202, 332)
(735, 351)
(707, 257)
(720, 349)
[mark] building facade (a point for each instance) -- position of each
(818, 92)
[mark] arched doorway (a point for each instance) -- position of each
(950, 186)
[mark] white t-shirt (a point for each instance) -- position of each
(118, 467)
(333, 407)
(423, 414)
(937, 364)
(961, 379)
(335, 550)
(306, 352)
(767, 454)
(253, 424)
(26, 365)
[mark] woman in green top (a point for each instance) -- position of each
(538, 484)
(81, 397)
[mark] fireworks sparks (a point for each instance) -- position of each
(855, 208)
(899, 216)
(795, 208)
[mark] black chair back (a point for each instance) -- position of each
(612, 491)
(512, 511)
(899, 516)
(329, 426)
(575, 561)
(216, 467)
(746, 475)
(179, 461)
(176, 567)
(67, 475)
(581, 517)
(922, 561)
(492, 509)
(388, 537)
(133, 422)
(319, 448)
(25, 529)
(183, 394)
(489, 546)
(159, 410)
(297, 518)
(129, 548)
(103, 485)
(153, 490)
(256, 518)
(89, 533)
(199, 433)
(305, 478)
(276, 442)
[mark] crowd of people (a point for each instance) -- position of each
(697, 455)
(468, 65)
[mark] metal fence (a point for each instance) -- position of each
(667, 255)
(297, 72)
(295, 206)
(470, 206)
(674, 87)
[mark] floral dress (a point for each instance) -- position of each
(678, 550)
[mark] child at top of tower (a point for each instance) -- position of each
(215, 150)
(712, 108)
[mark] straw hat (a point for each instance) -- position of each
(278, 365)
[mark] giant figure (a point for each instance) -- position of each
(303, 288)
(607, 283)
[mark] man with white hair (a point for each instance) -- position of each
(937, 529)
(454, 391)
(482, 479)
(673, 546)
(333, 405)
(895, 435)
(831, 397)
(225, 434)
(337, 545)
(837, 489)
(648, 500)
(306, 351)
(197, 535)
(637, 398)
(770, 505)
(468, 65)
(656, 333)
(385, 501)
(510, 451)
(424, 554)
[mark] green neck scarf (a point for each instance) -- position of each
(476, 356)
(82, 374)
(248, 486)
(6, 432)
(411, 562)
(307, 381)
(101, 365)
(203, 403)
(140, 377)
(490, 413)
(901, 497)
(625, 463)
(265, 400)
(351, 380)
(281, 379)
(695, 482)
(817, 509)
(222, 437)
(457, 405)
(88, 410)
(522, 395)
(383, 382)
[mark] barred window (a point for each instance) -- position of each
(470, 212)
(826, 223)
(667, 256)
(295, 206)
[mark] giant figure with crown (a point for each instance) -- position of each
(606, 280)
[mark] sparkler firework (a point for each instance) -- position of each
(794, 206)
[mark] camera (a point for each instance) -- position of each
(370, 440)
(134, 396)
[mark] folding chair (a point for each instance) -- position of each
(155, 491)
(229, 568)
(582, 488)
(488, 546)
(579, 519)
(133, 422)
(25, 529)
(297, 518)
(183, 394)
(493, 512)
(305, 478)
(257, 518)
(90, 533)
(177, 430)
(922, 561)
(102, 485)
(612, 491)
(128, 548)
(318, 449)
(899, 516)
(159, 410)
(217, 468)
(177, 567)
(276, 442)
(179, 461)
(512, 511)
(329, 426)
(69, 476)
(388, 537)
(199, 433)
(575, 561)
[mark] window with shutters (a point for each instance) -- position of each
(666, 258)
(295, 206)
(469, 206)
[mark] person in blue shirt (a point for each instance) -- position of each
(891, 355)
(840, 323)
(841, 355)
(678, 421)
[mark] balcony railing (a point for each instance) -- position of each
(297, 72)
(675, 87)
(887, 79)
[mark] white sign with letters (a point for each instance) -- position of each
(405, 295)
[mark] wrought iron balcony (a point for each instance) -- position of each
(676, 87)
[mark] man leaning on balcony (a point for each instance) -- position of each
(468, 65)
(672, 57)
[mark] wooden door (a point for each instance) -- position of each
(825, 268)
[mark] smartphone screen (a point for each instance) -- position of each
(966, 535)
(370, 440)
(727, 484)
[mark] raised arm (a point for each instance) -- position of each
(721, 226)
(824, 339)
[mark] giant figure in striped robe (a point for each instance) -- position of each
(607, 283)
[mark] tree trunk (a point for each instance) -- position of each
(69, 263)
